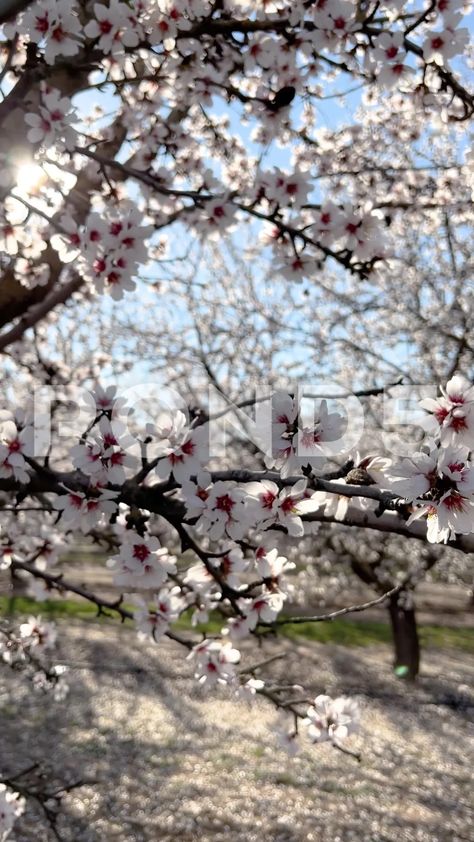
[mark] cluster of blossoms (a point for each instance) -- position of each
(327, 720)
(333, 27)
(281, 188)
(107, 249)
(298, 440)
(104, 456)
(450, 40)
(359, 230)
(24, 537)
(215, 662)
(332, 719)
(16, 443)
(154, 617)
(439, 480)
(29, 648)
(51, 124)
(141, 563)
(217, 217)
(345, 229)
(388, 58)
(55, 27)
(181, 449)
(86, 510)
(226, 508)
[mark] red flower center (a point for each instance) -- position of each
(267, 499)
(42, 24)
(440, 414)
(455, 503)
(113, 278)
(141, 552)
(75, 501)
(458, 422)
(99, 265)
(456, 466)
(225, 503)
(58, 34)
(288, 504)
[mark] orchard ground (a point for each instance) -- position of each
(171, 763)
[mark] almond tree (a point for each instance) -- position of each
(140, 139)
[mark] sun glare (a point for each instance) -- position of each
(30, 177)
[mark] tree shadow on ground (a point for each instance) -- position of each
(172, 763)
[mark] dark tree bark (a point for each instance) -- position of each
(405, 637)
(406, 642)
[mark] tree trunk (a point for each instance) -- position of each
(405, 637)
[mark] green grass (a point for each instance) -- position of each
(367, 632)
(51, 609)
(447, 637)
(345, 632)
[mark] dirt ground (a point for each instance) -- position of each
(172, 763)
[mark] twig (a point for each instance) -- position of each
(351, 609)
(103, 605)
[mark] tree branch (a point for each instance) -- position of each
(351, 609)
